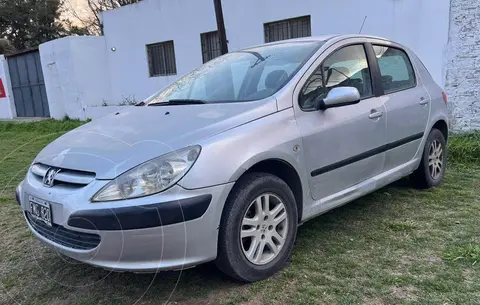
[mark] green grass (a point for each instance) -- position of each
(465, 148)
(44, 126)
(395, 246)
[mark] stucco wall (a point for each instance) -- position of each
(463, 66)
(76, 75)
(82, 72)
(7, 107)
(130, 28)
(420, 24)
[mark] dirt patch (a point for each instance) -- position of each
(373, 301)
(407, 293)
(253, 302)
(468, 275)
(435, 260)
(191, 302)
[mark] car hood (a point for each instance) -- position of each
(117, 142)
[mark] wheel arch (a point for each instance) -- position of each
(441, 125)
(285, 171)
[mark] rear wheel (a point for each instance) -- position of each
(258, 228)
(431, 171)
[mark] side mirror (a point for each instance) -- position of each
(338, 97)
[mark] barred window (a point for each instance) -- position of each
(210, 45)
(288, 29)
(161, 59)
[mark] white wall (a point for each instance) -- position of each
(83, 72)
(130, 28)
(76, 75)
(7, 106)
(420, 24)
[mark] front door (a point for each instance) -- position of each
(407, 104)
(342, 146)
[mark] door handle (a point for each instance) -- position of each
(423, 101)
(375, 114)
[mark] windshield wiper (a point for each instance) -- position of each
(178, 102)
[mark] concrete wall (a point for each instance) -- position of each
(82, 73)
(463, 76)
(76, 75)
(420, 24)
(7, 106)
(130, 28)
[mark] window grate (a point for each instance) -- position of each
(210, 45)
(288, 29)
(161, 59)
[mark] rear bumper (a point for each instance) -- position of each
(168, 231)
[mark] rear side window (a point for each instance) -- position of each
(395, 68)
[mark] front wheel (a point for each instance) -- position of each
(431, 171)
(258, 228)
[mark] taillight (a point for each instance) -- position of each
(444, 95)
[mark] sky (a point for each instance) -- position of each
(79, 7)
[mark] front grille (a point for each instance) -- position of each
(63, 236)
(66, 177)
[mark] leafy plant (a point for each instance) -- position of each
(128, 101)
(469, 253)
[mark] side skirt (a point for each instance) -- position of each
(343, 197)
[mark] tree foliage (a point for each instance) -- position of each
(28, 23)
(6, 47)
(92, 21)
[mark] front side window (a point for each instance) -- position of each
(395, 68)
(247, 75)
(347, 67)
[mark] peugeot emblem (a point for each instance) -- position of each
(49, 178)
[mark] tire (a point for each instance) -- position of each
(423, 177)
(232, 257)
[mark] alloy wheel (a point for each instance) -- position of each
(264, 229)
(435, 159)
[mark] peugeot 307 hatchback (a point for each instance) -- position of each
(228, 161)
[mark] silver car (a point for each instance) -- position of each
(227, 162)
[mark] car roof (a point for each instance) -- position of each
(322, 38)
(338, 37)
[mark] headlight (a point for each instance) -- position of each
(151, 177)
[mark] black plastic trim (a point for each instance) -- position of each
(367, 154)
(141, 217)
(64, 236)
(374, 70)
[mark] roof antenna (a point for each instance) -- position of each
(364, 19)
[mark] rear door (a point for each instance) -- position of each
(407, 104)
(342, 146)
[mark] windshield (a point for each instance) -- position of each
(240, 76)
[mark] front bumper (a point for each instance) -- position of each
(172, 230)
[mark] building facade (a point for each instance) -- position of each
(148, 45)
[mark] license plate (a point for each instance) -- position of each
(40, 210)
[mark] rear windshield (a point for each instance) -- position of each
(240, 76)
